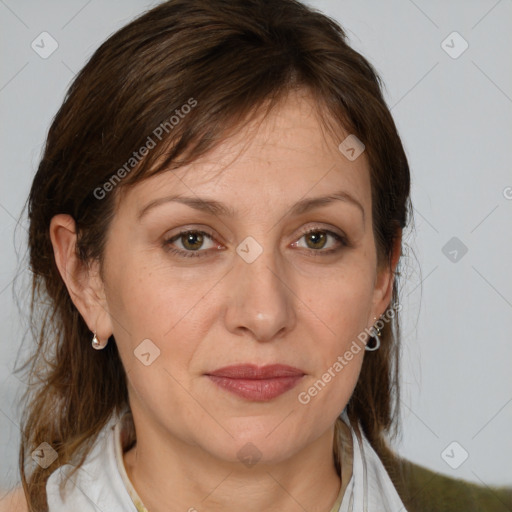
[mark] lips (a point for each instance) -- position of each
(256, 383)
(251, 371)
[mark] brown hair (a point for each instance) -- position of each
(230, 57)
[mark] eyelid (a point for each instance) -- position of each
(194, 229)
(320, 227)
(339, 237)
(168, 240)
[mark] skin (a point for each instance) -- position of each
(292, 305)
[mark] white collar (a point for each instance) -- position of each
(99, 484)
(370, 489)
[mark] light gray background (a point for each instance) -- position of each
(454, 116)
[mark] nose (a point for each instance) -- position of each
(261, 298)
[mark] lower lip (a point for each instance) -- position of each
(260, 390)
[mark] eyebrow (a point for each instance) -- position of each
(219, 209)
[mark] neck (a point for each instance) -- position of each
(171, 476)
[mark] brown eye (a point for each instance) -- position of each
(321, 241)
(190, 243)
(317, 238)
(193, 240)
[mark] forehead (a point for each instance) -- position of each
(280, 158)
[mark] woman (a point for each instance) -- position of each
(215, 232)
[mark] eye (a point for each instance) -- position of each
(191, 242)
(317, 241)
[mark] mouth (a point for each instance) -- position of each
(258, 384)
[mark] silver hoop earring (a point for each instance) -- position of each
(97, 344)
(376, 339)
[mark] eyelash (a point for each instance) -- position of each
(200, 253)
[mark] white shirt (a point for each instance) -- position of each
(102, 485)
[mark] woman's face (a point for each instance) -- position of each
(247, 286)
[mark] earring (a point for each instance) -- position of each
(97, 344)
(376, 338)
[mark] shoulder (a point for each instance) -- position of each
(422, 489)
(13, 501)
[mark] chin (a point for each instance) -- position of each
(264, 445)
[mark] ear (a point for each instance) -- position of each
(83, 281)
(385, 280)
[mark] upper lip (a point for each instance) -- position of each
(252, 371)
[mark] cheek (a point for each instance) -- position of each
(145, 305)
(173, 309)
(341, 301)
(323, 396)
(156, 338)
(338, 309)
(147, 299)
